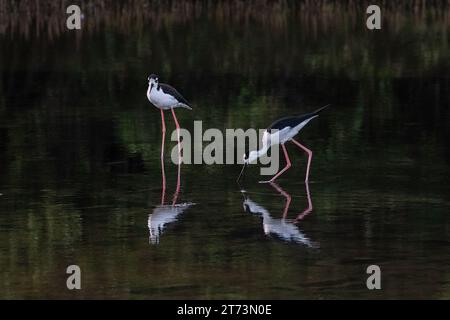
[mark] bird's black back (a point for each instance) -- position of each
(293, 121)
(173, 92)
(282, 123)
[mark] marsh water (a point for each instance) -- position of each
(80, 173)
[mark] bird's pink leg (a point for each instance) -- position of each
(163, 129)
(288, 165)
(309, 152)
(284, 194)
(179, 157)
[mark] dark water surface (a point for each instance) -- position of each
(80, 172)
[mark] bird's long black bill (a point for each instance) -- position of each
(242, 173)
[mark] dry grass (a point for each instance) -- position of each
(39, 18)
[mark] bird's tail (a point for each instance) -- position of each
(321, 109)
(183, 105)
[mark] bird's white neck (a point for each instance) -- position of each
(256, 154)
(152, 87)
(263, 150)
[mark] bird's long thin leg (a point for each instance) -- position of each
(284, 194)
(179, 157)
(288, 165)
(308, 209)
(163, 130)
(178, 135)
(309, 152)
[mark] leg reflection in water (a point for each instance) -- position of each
(283, 228)
(288, 197)
(165, 214)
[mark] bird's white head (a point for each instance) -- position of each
(252, 156)
(152, 80)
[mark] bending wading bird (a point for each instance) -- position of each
(165, 97)
(280, 132)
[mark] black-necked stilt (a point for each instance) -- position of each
(165, 97)
(280, 132)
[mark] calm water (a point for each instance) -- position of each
(80, 177)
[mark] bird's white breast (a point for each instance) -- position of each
(279, 136)
(285, 134)
(160, 99)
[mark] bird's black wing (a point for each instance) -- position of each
(173, 92)
(293, 121)
(282, 123)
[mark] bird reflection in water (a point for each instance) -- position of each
(165, 214)
(284, 228)
(162, 216)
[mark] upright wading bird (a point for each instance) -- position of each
(165, 97)
(280, 132)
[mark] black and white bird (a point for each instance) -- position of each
(163, 96)
(166, 97)
(280, 132)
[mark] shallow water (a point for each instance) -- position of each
(80, 177)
